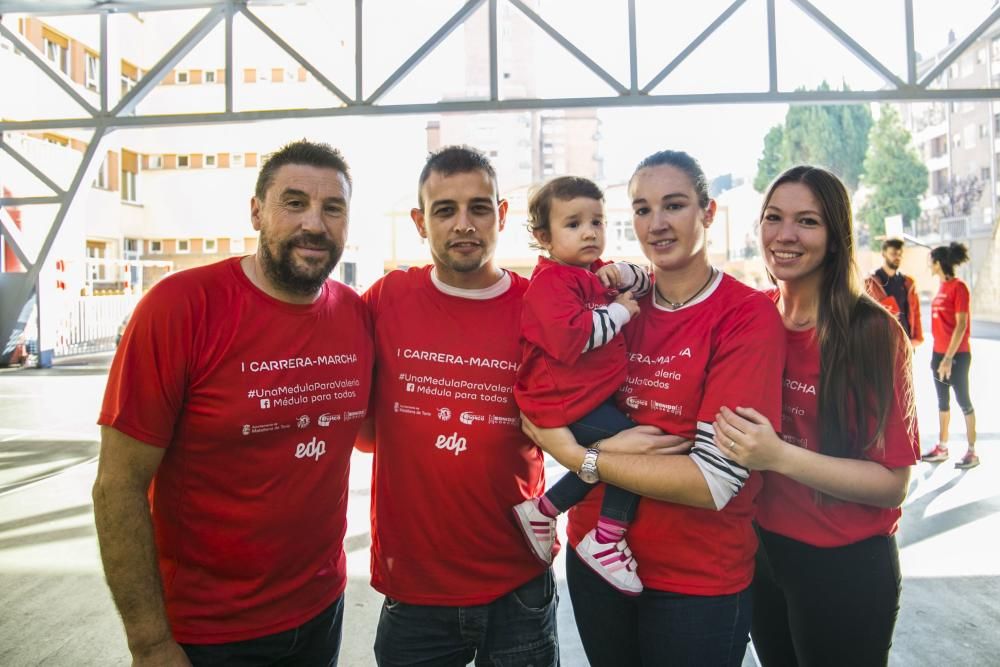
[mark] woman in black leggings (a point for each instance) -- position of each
(952, 358)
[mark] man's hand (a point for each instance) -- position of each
(166, 653)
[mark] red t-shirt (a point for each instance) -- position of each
(558, 383)
(726, 349)
(952, 298)
(257, 403)
(450, 458)
(790, 508)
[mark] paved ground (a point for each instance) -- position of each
(55, 608)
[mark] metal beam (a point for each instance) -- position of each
(359, 29)
(11, 232)
(848, 42)
(159, 71)
(772, 49)
(456, 20)
(287, 48)
(27, 164)
(31, 201)
(682, 56)
(494, 64)
(911, 50)
(959, 49)
(105, 62)
(230, 80)
(633, 50)
(29, 52)
(569, 46)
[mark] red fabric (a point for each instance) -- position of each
(952, 298)
(450, 458)
(876, 291)
(683, 366)
(790, 508)
(558, 383)
(249, 527)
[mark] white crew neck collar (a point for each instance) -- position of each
(491, 292)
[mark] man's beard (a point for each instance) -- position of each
(304, 277)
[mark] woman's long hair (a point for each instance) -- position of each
(860, 342)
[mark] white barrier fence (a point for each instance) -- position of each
(91, 324)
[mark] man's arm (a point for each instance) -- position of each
(128, 549)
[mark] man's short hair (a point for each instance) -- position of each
(303, 152)
(455, 160)
(892, 243)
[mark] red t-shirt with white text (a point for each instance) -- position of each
(728, 349)
(790, 508)
(952, 298)
(257, 403)
(450, 458)
(558, 383)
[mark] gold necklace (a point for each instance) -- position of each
(679, 304)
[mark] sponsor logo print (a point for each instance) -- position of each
(302, 421)
(444, 414)
(265, 403)
(326, 419)
(352, 415)
(635, 403)
(506, 421)
(666, 407)
(410, 386)
(409, 410)
(451, 443)
(469, 418)
(246, 429)
(312, 449)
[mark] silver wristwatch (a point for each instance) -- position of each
(588, 470)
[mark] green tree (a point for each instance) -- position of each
(832, 136)
(894, 173)
(771, 162)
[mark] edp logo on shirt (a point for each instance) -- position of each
(312, 449)
(451, 443)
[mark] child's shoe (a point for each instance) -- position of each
(539, 530)
(612, 561)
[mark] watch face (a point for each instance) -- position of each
(589, 476)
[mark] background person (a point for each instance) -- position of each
(236, 555)
(450, 458)
(826, 590)
(701, 340)
(895, 291)
(573, 360)
(952, 356)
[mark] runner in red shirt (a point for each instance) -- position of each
(233, 406)
(700, 341)
(952, 357)
(573, 361)
(450, 457)
(826, 588)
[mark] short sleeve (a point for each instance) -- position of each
(961, 298)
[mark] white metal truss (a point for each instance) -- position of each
(105, 118)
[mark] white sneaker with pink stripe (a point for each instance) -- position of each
(538, 529)
(612, 561)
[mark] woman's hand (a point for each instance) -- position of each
(746, 436)
(646, 440)
(944, 369)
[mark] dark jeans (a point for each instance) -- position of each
(825, 606)
(656, 628)
(315, 642)
(518, 629)
(959, 381)
(602, 422)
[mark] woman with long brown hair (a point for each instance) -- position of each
(826, 589)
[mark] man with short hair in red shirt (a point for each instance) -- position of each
(450, 458)
(227, 427)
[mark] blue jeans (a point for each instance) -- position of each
(602, 422)
(518, 629)
(315, 642)
(656, 628)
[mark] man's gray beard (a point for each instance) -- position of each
(283, 272)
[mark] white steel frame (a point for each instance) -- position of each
(105, 119)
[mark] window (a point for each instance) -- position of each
(984, 130)
(156, 162)
(56, 53)
(133, 246)
(984, 174)
(155, 247)
(130, 77)
(102, 179)
(182, 76)
(183, 161)
(210, 246)
(183, 246)
(349, 273)
(130, 173)
(95, 263)
(92, 71)
(236, 160)
(237, 246)
(210, 76)
(210, 161)
(956, 140)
